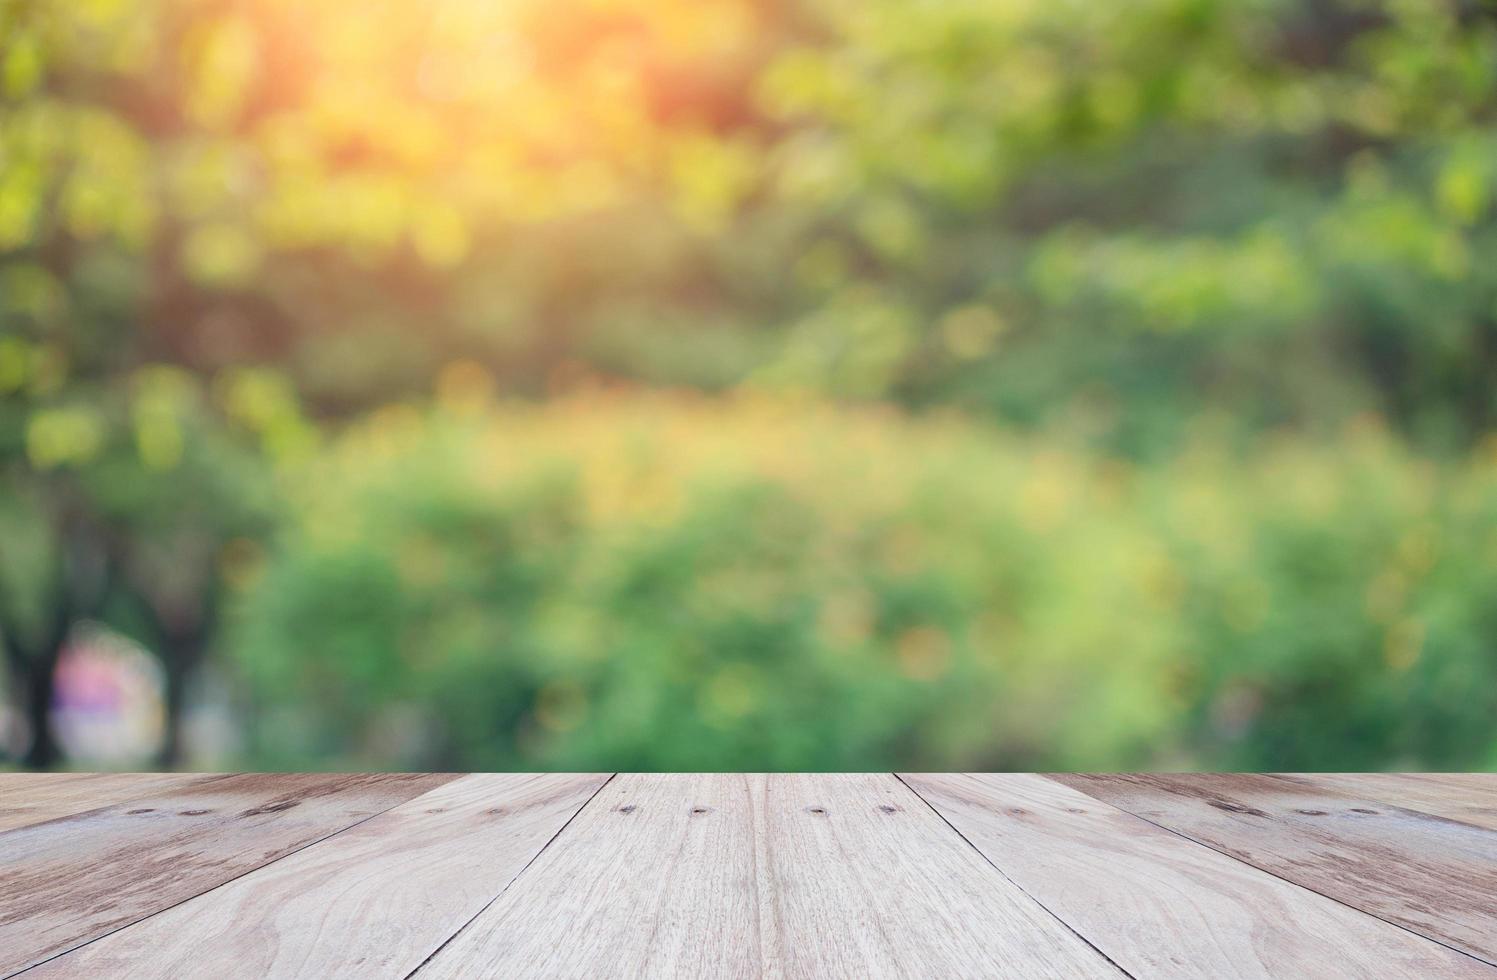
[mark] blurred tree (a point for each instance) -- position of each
(185, 511)
(127, 480)
(1059, 213)
(129, 506)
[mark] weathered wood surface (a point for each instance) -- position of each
(1429, 874)
(1191, 911)
(29, 798)
(656, 868)
(69, 881)
(345, 907)
(832, 875)
(1456, 796)
(745, 876)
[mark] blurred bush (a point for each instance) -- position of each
(656, 581)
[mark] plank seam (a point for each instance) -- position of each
(247, 871)
(1269, 871)
(517, 875)
(1004, 875)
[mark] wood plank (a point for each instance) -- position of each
(1434, 876)
(18, 789)
(1483, 784)
(374, 900)
(31, 798)
(753, 875)
(1470, 797)
(20, 780)
(1161, 906)
(16, 785)
(72, 880)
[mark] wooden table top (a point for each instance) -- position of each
(833, 875)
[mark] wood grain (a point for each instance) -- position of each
(24, 781)
(29, 798)
(748, 876)
(1434, 876)
(1455, 796)
(72, 880)
(374, 900)
(21, 791)
(1162, 906)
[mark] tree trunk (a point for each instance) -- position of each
(182, 636)
(33, 669)
(177, 665)
(32, 654)
(39, 687)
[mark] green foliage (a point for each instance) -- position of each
(1099, 384)
(1160, 202)
(741, 584)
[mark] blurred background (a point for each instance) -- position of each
(748, 384)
